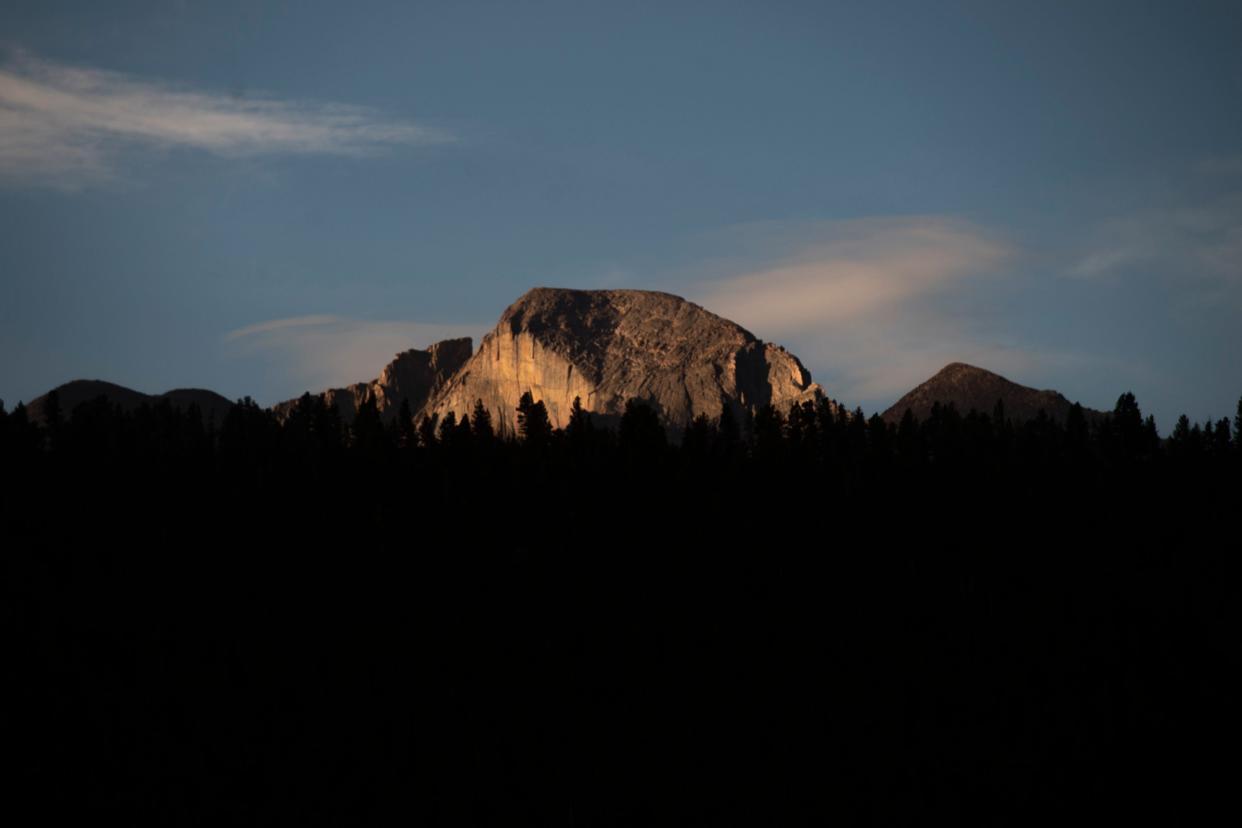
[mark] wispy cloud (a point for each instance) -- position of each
(273, 326)
(856, 269)
(1199, 246)
(872, 306)
(324, 351)
(66, 126)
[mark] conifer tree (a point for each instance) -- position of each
(1151, 437)
(447, 426)
(367, 432)
(696, 437)
(534, 427)
(461, 435)
(1237, 430)
(858, 427)
(640, 432)
(427, 431)
(52, 417)
(1127, 422)
(1224, 440)
(407, 435)
(768, 435)
(579, 422)
(1179, 440)
(878, 439)
(727, 429)
(804, 427)
(23, 434)
(481, 423)
(908, 438)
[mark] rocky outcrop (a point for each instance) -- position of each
(413, 376)
(608, 346)
(967, 388)
(72, 394)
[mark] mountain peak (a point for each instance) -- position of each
(969, 387)
(959, 368)
(608, 346)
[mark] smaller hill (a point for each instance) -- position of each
(74, 393)
(968, 387)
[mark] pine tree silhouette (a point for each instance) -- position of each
(1180, 441)
(53, 418)
(696, 438)
(1237, 430)
(427, 431)
(579, 425)
(533, 424)
(407, 434)
(640, 432)
(481, 423)
(729, 434)
(447, 426)
(367, 432)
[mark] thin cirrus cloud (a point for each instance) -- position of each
(875, 305)
(66, 126)
(310, 353)
(857, 268)
(1199, 247)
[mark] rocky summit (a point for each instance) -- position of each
(606, 347)
(968, 388)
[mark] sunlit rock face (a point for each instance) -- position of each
(413, 375)
(607, 346)
(967, 388)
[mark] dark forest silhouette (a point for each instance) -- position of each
(805, 616)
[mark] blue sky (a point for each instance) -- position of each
(262, 198)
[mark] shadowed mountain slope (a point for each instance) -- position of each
(74, 393)
(967, 387)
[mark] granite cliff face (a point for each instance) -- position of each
(413, 375)
(607, 346)
(967, 387)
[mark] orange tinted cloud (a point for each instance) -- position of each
(856, 271)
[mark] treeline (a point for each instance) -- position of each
(844, 449)
(795, 618)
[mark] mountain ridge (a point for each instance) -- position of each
(604, 347)
(76, 392)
